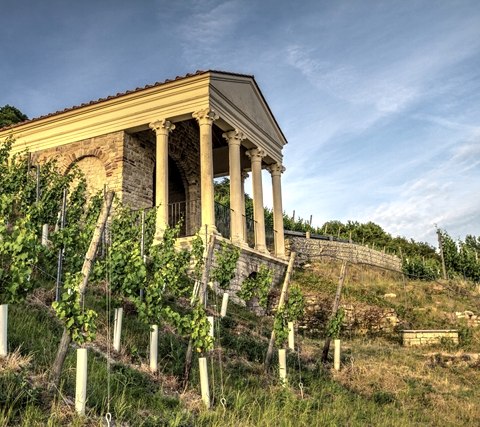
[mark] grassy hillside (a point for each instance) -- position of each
(380, 383)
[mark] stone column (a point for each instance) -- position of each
(161, 129)
(234, 139)
(244, 215)
(276, 171)
(205, 119)
(256, 155)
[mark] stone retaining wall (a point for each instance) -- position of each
(310, 249)
(359, 317)
(472, 319)
(250, 262)
(428, 337)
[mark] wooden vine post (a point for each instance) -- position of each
(61, 226)
(203, 291)
(281, 303)
(442, 256)
(86, 270)
(336, 303)
(206, 270)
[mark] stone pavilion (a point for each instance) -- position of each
(163, 145)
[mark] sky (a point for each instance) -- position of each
(379, 100)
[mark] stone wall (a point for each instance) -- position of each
(126, 163)
(428, 337)
(100, 158)
(359, 317)
(249, 262)
(468, 316)
(138, 166)
(313, 249)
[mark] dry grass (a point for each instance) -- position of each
(15, 361)
(386, 373)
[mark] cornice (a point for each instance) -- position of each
(137, 109)
(174, 100)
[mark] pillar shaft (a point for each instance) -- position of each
(205, 119)
(161, 129)
(276, 171)
(244, 215)
(234, 139)
(256, 155)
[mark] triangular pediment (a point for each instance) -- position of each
(242, 95)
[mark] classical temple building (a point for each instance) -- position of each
(164, 144)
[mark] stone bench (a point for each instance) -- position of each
(421, 337)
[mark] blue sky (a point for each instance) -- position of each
(379, 100)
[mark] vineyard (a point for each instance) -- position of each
(107, 326)
(92, 245)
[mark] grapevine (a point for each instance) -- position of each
(226, 264)
(200, 329)
(79, 323)
(257, 286)
(293, 310)
(335, 324)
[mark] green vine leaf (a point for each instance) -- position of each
(200, 329)
(79, 322)
(257, 286)
(293, 310)
(226, 264)
(335, 324)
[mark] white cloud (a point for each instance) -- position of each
(204, 33)
(446, 195)
(378, 88)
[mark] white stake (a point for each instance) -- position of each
(117, 328)
(205, 389)
(81, 383)
(211, 319)
(3, 329)
(336, 355)
(45, 235)
(291, 336)
(282, 362)
(154, 348)
(223, 311)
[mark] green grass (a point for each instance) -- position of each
(381, 383)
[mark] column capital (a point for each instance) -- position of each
(244, 175)
(205, 117)
(234, 137)
(276, 169)
(162, 127)
(256, 154)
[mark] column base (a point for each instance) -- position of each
(158, 236)
(239, 242)
(211, 229)
(262, 249)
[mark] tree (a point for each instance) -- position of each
(10, 115)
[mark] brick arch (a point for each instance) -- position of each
(73, 157)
